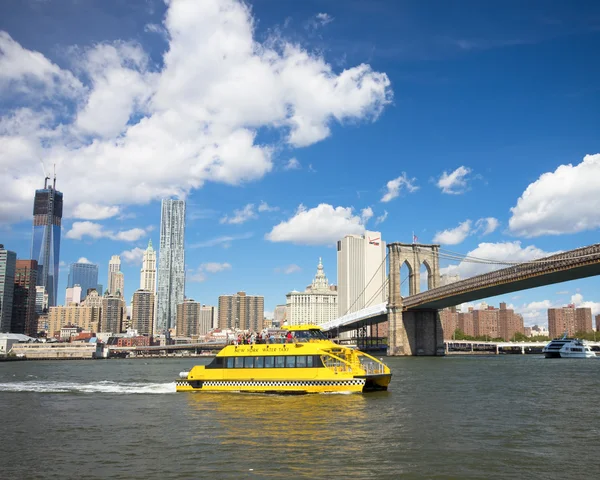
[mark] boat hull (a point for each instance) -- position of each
(356, 385)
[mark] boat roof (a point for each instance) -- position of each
(295, 328)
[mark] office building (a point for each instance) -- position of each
(148, 272)
(361, 272)
(118, 283)
(570, 320)
(24, 318)
(85, 275)
(207, 319)
(280, 315)
(45, 247)
(41, 299)
(316, 305)
(82, 316)
(487, 322)
(194, 319)
(241, 311)
(8, 266)
(73, 295)
(188, 318)
(171, 264)
(142, 311)
(114, 267)
(93, 299)
(112, 315)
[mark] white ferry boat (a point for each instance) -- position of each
(568, 348)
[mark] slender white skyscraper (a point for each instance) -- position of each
(114, 266)
(171, 264)
(361, 272)
(148, 274)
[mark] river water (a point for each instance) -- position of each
(454, 417)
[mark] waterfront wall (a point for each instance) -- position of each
(52, 351)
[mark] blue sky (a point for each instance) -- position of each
(287, 124)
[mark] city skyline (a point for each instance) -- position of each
(465, 137)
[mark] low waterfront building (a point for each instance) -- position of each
(58, 350)
(318, 303)
(7, 340)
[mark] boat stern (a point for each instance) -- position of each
(190, 381)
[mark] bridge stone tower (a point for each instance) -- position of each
(413, 332)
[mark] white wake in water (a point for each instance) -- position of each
(95, 387)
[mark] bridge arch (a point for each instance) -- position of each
(413, 255)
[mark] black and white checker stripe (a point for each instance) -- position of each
(182, 383)
(289, 383)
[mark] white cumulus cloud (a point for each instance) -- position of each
(453, 236)
(87, 211)
(83, 260)
(292, 164)
(265, 207)
(381, 218)
(133, 256)
(563, 201)
(394, 187)
(455, 182)
(322, 225)
(214, 267)
(96, 230)
(241, 215)
(486, 225)
(288, 269)
(201, 109)
(366, 214)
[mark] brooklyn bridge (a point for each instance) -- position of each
(414, 322)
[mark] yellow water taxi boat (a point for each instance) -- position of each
(306, 363)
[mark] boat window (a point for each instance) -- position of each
(239, 362)
(258, 362)
(249, 362)
(230, 362)
(279, 362)
(290, 361)
(317, 334)
(309, 361)
(269, 362)
(301, 361)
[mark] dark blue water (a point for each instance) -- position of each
(453, 417)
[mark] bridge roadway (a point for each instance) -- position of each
(562, 267)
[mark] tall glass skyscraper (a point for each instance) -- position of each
(171, 264)
(85, 275)
(45, 247)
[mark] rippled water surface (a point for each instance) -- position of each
(453, 417)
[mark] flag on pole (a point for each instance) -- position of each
(415, 239)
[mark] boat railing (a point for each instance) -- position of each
(336, 364)
(371, 367)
